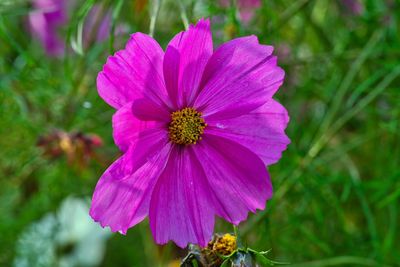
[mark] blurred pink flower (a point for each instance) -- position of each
(196, 127)
(79, 147)
(103, 31)
(45, 20)
(49, 16)
(355, 7)
(284, 52)
(247, 8)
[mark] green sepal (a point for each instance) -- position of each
(261, 258)
(227, 256)
(225, 263)
(260, 252)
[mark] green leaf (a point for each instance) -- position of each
(260, 252)
(225, 263)
(195, 264)
(264, 261)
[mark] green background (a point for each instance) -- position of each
(337, 187)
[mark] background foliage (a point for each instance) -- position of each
(337, 187)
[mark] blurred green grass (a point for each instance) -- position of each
(337, 187)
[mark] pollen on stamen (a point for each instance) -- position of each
(186, 126)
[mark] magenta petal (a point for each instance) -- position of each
(262, 130)
(134, 73)
(128, 129)
(185, 59)
(240, 76)
(147, 110)
(237, 177)
(122, 195)
(180, 209)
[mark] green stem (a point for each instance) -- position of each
(184, 16)
(154, 15)
(236, 233)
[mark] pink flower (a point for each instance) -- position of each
(49, 16)
(355, 7)
(247, 8)
(104, 27)
(197, 128)
(46, 19)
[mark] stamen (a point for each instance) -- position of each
(186, 126)
(225, 244)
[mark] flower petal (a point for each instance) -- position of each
(134, 73)
(180, 209)
(128, 125)
(262, 131)
(237, 177)
(45, 20)
(122, 195)
(240, 76)
(185, 59)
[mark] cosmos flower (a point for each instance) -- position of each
(196, 127)
(50, 16)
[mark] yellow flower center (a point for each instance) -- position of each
(186, 126)
(225, 244)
